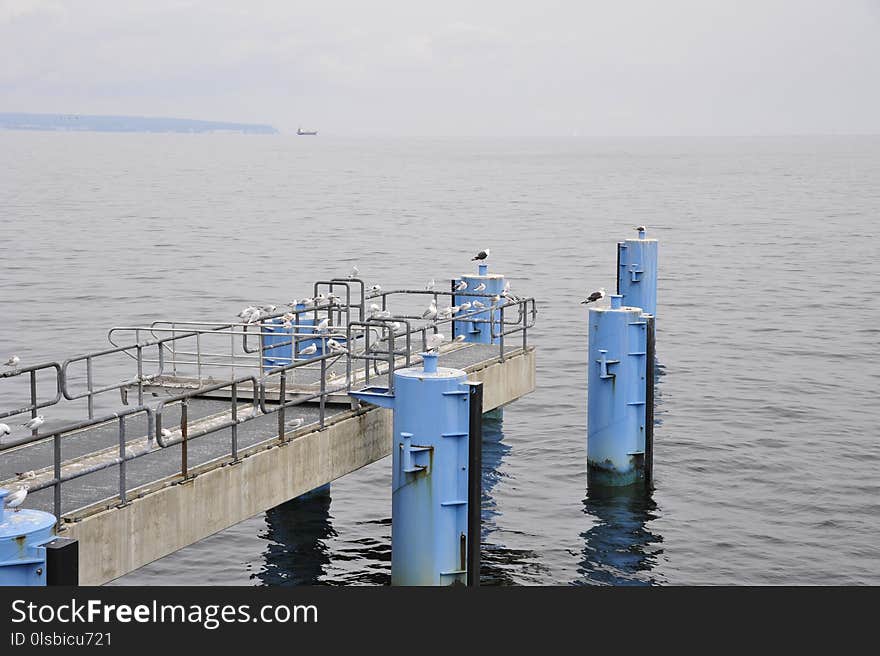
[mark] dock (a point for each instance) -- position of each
(210, 423)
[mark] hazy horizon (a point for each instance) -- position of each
(634, 69)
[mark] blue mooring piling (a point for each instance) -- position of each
(618, 431)
(430, 473)
(23, 536)
(481, 331)
(637, 272)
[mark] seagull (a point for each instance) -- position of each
(375, 288)
(434, 341)
(309, 350)
(464, 307)
(5, 430)
(460, 338)
(480, 287)
(15, 499)
(461, 286)
(496, 298)
(482, 255)
(431, 312)
(640, 228)
(34, 423)
(166, 432)
(354, 272)
(477, 305)
(335, 347)
(296, 423)
(595, 296)
(246, 312)
(445, 313)
(334, 298)
(430, 285)
(26, 476)
(506, 289)
(13, 361)
(323, 325)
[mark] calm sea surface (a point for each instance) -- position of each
(767, 449)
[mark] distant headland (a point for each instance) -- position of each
(90, 123)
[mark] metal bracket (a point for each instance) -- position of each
(635, 272)
(604, 363)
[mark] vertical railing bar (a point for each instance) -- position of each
(140, 364)
(33, 399)
(122, 485)
(90, 385)
(282, 397)
(234, 421)
(57, 474)
(323, 400)
(501, 337)
(183, 444)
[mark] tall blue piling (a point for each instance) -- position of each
(479, 331)
(430, 473)
(637, 272)
(23, 536)
(618, 435)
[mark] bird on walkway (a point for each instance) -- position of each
(482, 255)
(431, 312)
(640, 228)
(166, 432)
(354, 272)
(13, 361)
(481, 287)
(5, 430)
(595, 296)
(434, 341)
(375, 289)
(35, 423)
(296, 423)
(26, 476)
(461, 286)
(15, 499)
(309, 350)
(460, 338)
(430, 285)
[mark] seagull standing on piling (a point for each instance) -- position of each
(482, 255)
(595, 296)
(13, 361)
(434, 341)
(431, 312)
(15, 499)
(640, 228)
(34, 423)
(461, 286)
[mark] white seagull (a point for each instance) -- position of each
(431, 312)
(5, 430)
(595, 296)
(506, 289)
(335, 347)
(461, 286)
(375, 288)
(464, 307)
(354, 272)
(296, 423)
(36, 422)
(434, 341)
(15, 499)
(323, 325)
(430, 285)
(309, 350)
(166, 432)
(478, 305)
(482, 255)
(481, 287)
(13, 361)
(460, 338)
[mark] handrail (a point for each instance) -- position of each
(32, 370)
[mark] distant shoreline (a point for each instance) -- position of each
(97, 123)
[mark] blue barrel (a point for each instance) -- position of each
(429, 480)
(637, 272)
(22, 536)
(617, 394)
(480, 333)
(274, 332)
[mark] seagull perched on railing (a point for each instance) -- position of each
(309, 350)
(429, 286)
(35, 423)
(431, 312)
(595, 296)
(461, 286)
(15, 499)
(482, 255)
(5, 430)
(323, 325)
(336, 347)
(434, 341)
(464, 307)
(478, 305)
(13, 361)
(354, 272)
(506, 289)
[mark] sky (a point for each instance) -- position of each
(476, 68)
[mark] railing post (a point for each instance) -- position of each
(183, 445)
(140, 362)
(91, 386)
(34, 399)
(235, 421)
(501, 336)
(282, 398)
(323, 399)
(122, 485)
(57, 474)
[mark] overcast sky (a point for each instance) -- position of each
(477, 67)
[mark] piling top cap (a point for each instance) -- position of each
(616, 301)
(429, 369)
(14, 524)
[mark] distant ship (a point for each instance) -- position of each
(302, 132)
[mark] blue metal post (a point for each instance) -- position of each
(275, 333)
(22, 536)
(617, 394)
(637, 272)
(479, 332)
(429, 480)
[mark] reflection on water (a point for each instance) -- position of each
(620, 548)
(296, 534)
